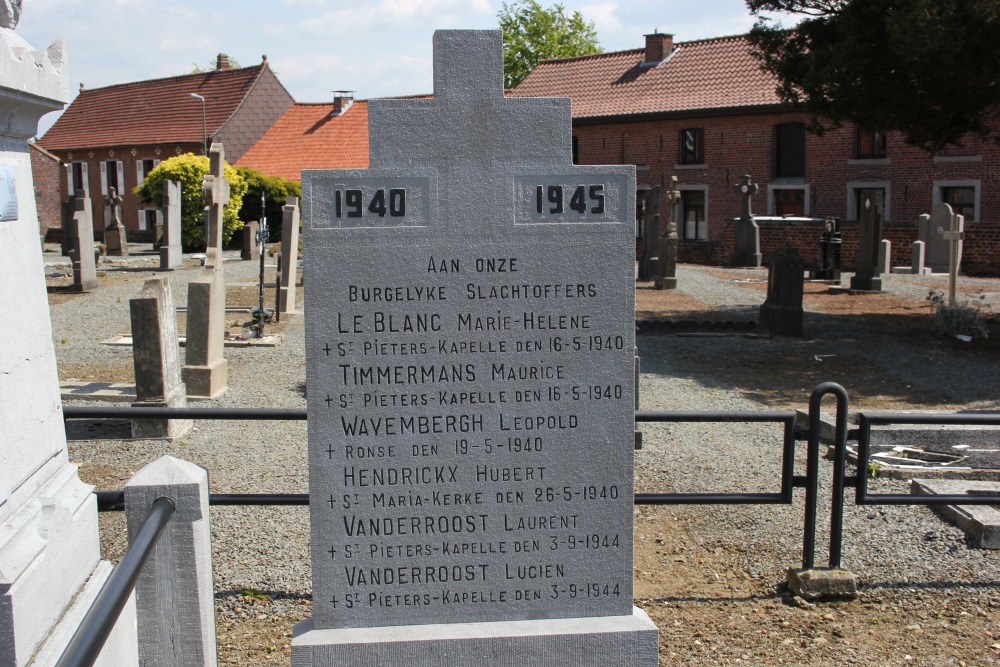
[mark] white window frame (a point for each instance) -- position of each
(139, 176)
(85, 176)
(960, 183)
(807, 197)
(120, 169)
(681, 216)
(852, 197)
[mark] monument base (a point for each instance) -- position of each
(623, 641)
(865, 284)
(160, 429)
(748, 261)
(115, 242)
(781, 320)
(206, 381)
(665, 282)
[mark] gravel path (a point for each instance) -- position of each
(261, 558)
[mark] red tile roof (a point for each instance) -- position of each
(308, 137)
(708, 74)
(156, 111)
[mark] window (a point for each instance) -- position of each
(576, 149)
(870, 144)
(790, 201)
(112, 176)
(694, 225)
(865, 194)
(858, 190)
(961, 199)
(790, 150)
(693, 146)
(143, 167)
(78, 178)
(961, 195)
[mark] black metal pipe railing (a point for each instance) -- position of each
(865, 423)
(812, 475)
(86, 644)
(121, 412)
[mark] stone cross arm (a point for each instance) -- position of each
(215, 190)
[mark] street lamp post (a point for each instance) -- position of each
(204, 124)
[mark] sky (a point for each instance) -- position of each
(376, 49)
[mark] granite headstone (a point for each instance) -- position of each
(666, 265)
(171, 255)
(471, 410)
(866, 277)
(289, 255)
(79, 233)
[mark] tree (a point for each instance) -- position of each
(927, 68)
(532, 33)
(276, 190)
(190, 169)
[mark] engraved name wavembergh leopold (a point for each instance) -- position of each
(470, 358)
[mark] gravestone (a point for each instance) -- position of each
(250, 250)
(666, 265)
(954, 236)
(171, 255)
(781, 314)
(746, 233)
(866, 277)
(471, 410)
(919, 259)
(79, 234)
(215, 193)
(289, 255)
(50, 566)
(884, 256)
(115, 242)
(206, 369)
(156, 360)
(932, 230)
(830, 244)
(649, 221)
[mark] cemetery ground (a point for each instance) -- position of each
(711, 577)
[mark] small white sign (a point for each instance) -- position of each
(8, 193)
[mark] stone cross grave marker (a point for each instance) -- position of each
(746, 233)
(215, 192)
(171, 255)
(471, 409)
(954, 236)
(115, 241)
(867, 278)
(666, 265)
(289, 255)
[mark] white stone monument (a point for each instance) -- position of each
(50, 566)
(470, 351)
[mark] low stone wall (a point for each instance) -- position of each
(980, 253)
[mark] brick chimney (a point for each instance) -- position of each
(658, 47)
(222, 62)
(342, 100)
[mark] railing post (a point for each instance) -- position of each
(174, 595)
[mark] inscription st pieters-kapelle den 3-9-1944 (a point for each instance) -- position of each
(470, 345)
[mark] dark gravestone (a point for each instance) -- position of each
(867, 278)
(471, 426)
(830, 244)
(746, 233)
(649, 221)
(781, 314)
(79, 237)
(250, 251)
(665, 276)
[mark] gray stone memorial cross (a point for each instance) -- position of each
(215, 192)
(666, 264)
(115, 240)
(471, 410)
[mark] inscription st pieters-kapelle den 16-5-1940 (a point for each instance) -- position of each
(470, 342)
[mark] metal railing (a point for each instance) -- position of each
(88, 640)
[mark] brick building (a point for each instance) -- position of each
(705, 112)
(113, 136)
(47, 172)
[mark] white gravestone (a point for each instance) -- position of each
(289, 255)
(932, 231)
(470, 339)
(171, 255)
(50, 567)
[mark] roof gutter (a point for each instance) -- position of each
(758, 109)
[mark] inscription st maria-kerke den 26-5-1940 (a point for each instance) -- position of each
(470, 345)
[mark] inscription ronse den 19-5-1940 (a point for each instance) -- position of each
(470, 347)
